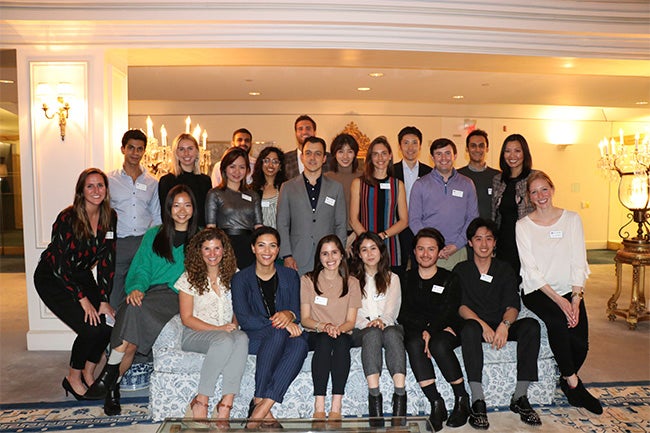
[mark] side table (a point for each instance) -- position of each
(636, 253)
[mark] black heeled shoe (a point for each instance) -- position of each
(399, 410)
(376, 410)
(69, 390)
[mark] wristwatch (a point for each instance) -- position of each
(507, 323)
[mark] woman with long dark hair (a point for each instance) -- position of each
(268, 176)
(266, 300)
(233, 206)
(329, 300)
(210, 327)
(83, 236)
(151, 298)
(185, 170)
(378, 201)
(510, 197)
(376, 324)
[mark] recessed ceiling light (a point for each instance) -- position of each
(641, 102)
(376, 74)
(567, 65)
(254, 93)
(6, 81)
(485, 84)
(363, 89)
(458, 97)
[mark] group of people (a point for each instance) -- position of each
(306, 251)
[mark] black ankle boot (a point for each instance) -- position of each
(399, 410)
(112, 401)
(460, 412)
(376, 410)
(107, 378)
(438, 414)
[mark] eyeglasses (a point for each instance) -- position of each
(271, 161)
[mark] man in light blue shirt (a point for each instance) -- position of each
(134, 196)
(446, 200)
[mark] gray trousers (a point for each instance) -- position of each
(125, 249)
(225, 353)
(372, 340)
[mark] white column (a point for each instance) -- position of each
(96, 90)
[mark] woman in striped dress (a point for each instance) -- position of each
(378, 201)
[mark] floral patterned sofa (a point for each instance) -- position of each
(175, 378)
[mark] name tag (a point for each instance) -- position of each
(556, 234)
(266, 204)
(487, 278)
(379, 296)
(384, 185)
(110, 235)
(140, 186)
(457, 193)
(489, 191)
(247, 197)
(320, 300)
(330, 201)
(437, 289)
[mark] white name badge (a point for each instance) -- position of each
(379, 296)
(330, 201)
(320, 300)
(140, 186)
(457, 193)
(110, 235)
(556, 234)
(489, 191)
(247, 197)
(384, 185)
(487, 278)
(437, 289)
(266, 204)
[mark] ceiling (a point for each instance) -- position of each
(291, 75)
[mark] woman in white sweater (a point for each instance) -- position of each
(554, 270)
(376, 325)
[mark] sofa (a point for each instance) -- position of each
(175, 379)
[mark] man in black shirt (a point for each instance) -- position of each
(490, 304)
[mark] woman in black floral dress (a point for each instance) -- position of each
(83, 236)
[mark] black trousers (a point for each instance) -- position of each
(441, 347)
(524, 331)
(569, 345)
(91, 340)
(331, 357)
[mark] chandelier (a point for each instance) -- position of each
(158, 155)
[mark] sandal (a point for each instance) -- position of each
(223, 423)
(194, 402)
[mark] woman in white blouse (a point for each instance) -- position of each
(210, 325)
(376, 325)
(554, 269)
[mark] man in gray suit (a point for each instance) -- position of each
(310, 206)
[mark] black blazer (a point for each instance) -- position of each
(398, 170)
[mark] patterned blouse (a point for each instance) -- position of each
(67, 255)
(210, 307)
(378, 211)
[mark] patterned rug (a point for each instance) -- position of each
(627, 410)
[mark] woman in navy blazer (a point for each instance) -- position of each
(266, 301)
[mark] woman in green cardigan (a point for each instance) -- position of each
(151, 299)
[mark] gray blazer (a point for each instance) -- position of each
(300, 229)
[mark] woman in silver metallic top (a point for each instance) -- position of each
(233, 207)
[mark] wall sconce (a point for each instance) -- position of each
(44, 92)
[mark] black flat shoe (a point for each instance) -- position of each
(460, 413)
(68, 389)
(112, 401)
(478, 416)
(587, 400)
(525, 411)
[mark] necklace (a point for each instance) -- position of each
(268, 290)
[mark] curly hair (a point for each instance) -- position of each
(197, 270)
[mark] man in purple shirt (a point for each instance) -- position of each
(446, 200)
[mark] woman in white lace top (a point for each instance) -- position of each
(210, 325)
